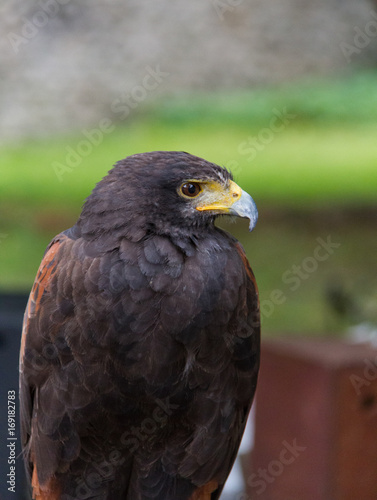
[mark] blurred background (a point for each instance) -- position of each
(282, 93)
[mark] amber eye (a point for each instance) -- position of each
(191, 189)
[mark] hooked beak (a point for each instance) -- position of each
(232, 201)
(245, 207)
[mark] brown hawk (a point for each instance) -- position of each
(140, 346)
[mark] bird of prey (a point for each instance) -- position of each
(140, 345)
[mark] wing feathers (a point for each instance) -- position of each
(146, 353)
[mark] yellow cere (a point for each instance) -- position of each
(215, 197)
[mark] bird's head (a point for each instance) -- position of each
(164, 192)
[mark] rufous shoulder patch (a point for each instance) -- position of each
(49, 491)
(205, 491)
(45, 272)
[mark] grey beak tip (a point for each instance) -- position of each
(253, 221)
(245, 207)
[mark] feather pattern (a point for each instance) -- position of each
(140, 347)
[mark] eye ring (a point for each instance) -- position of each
(191, 189)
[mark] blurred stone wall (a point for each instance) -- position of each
(66, 64)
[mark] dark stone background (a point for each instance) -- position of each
(64, 64)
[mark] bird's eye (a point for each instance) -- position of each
(191, 189)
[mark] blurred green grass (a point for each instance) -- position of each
(326, 153)
(348, 98)
(332, 164)
(323, 159)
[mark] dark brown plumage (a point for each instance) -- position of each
(140, 347)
